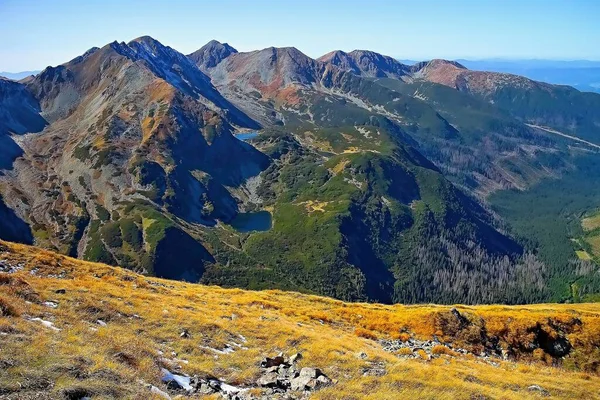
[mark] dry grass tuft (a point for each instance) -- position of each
(144, 318)
(8, 308)
(364, 333)
(440, 349)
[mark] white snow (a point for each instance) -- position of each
(227, 350)
(183, 381)
(47, 324)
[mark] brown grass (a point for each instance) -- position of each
(146, 315)
(8, 308)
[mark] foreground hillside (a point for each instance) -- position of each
(72, 329)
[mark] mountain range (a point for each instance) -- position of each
(368, 179)
(15, 76)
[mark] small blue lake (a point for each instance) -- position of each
(246, 136)
(252, 221)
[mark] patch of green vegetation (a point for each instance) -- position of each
(131, 233)
(111, 234)
(103, 157)
(155, 225)
(95, 250)
(81, 180)
(82, 152)
(102, 213)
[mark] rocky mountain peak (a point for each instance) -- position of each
(333, 56)
(269, 69)
(440, 71)
(211, 54)
(367, 63)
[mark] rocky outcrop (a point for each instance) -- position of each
(368, 64)
(133, 124)
(211, 54)
(280, 379)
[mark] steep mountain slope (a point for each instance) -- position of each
(488, 150)
(284, 86)
(560, 107)
(368, 64)
(491, 150)
(496, 148)
(71, 329)
(337, 195)
(139, 138)
(343, 161)
(19, 113)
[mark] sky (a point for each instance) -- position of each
(35, 34)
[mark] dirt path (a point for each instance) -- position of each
(564, 135)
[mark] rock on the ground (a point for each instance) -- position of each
(272, 362)
(309, 379)
(176, 381)
(538, 389)
(160, 393)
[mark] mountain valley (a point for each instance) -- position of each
(375, 180)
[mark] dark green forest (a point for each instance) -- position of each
(547, 216)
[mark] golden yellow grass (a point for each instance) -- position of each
(583, 255)
(351, 150)
(314, 205)
(339, 167)
(144, 315)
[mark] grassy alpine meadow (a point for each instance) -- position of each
(72, 327)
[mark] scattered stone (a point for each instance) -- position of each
(309, 379)
(101, 323)
(294, 358)
(272, 362)
(310, 372)
(60, 291)
(8, 268)
(185, 334)
(51, 304)
(415, 346)
(362, 355)
(158, 392)
(539, 389)
(278, 379)
(226, 350)
(374, 369)
(269, 379)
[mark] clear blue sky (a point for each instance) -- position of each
(34, 34)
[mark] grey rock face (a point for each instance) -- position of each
(211, 54)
